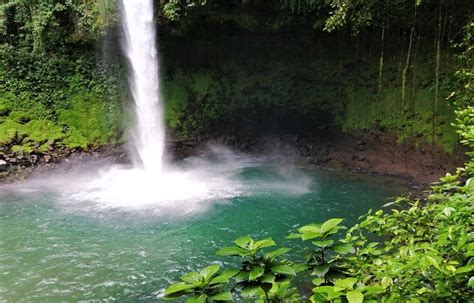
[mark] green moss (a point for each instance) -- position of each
(75, 139)
(412, 121)
(9, 131)
(20, 116)
(175, 94)
(42, 131)
(4, 110)
(90, 118)
(22, 149)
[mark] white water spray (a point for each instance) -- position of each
(150, 185)
(140, 50)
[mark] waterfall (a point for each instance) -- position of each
(139, 46)
(172, 189)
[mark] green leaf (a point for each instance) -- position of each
(343, 248)
(244, 242)
(386, 282)
(284, 269)
(232, 251)
(323, 243)
(209, 272)
(256, 272)
(225, 276)
(432, 261)
(268, 278)
(310, 235)
(321, 270)
(470, 283)
(330, 224)
(355, 297)
(242, 276)
(372, 290)
(311, 228)
(176, 288)
(251, 291)
(300, 267)
(192, 277)
(331, 292)
(293, 236)
(197, 299)
(263, 243)
(222, 296)
(276, 253)
(346, 283)
(464, 269)
(318, 281)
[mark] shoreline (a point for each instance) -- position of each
(377, 154)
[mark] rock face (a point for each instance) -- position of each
(374, 153)
(377, 153)
(17, 166)
(3, 165)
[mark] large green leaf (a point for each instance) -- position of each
(343, 248)
(294, 236)
(347, 283)
(299, 267)
(310, 235)
(355, 296)
(372, 290)
(225, 276)
(323, 243)
(256, 272)
(192, 277)
(222, 296)
(318, 281)
(464, 269)
(232, 251)
(330, 225)
(431, 261)
(321, 270)
(242, 276)
(329, 292)
(244, 242)
(209, 272)
(284, 269)
(178, 287)
(276, 253)
(310, 228)
(197, 299)
(268, 278)
(263, 243)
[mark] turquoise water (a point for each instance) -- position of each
(50, 252)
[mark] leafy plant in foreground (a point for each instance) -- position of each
(261, 273)
(325, 260)
(262, 276)
(203, 286)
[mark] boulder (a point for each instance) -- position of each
(3, 165)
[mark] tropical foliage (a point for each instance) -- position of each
(422, 250)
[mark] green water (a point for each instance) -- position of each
(50, 253)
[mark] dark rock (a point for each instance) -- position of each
(3, 165)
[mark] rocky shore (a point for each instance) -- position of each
(376, 153)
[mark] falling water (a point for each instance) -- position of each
(148, 184)
(188, 187)
(140, 49)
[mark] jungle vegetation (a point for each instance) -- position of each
(402, 66)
